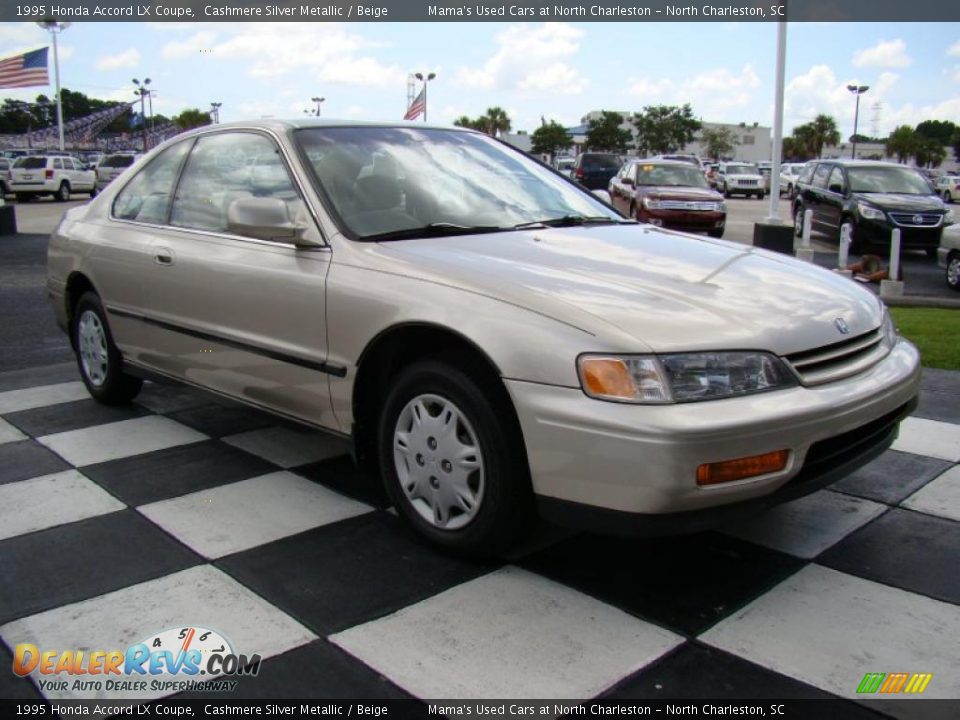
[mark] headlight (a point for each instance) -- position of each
(651, 204)
(888, 330)
(869, 212)
(681, 377)
(721, 207)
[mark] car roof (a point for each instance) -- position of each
(663, 161)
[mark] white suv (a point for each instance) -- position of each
(737, 178)
(56, 175)
(112, 166)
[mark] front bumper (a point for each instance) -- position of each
(702, 220)
(879, 233)
(642, 459)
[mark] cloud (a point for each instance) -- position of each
(125, 59)
(531, 59)
(954, 50)
(714, 94)
(892, 53)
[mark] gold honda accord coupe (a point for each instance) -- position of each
(495, 340)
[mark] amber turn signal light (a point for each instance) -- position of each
(729, 470)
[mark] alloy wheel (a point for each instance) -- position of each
(92, 341)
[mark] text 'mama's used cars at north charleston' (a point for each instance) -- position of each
(874, 198)
(493, 338)
(668, 193)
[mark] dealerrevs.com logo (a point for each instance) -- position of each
(169, 661)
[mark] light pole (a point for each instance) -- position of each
(143, 92)
(857, 90)
(215, 112)
(425, 80)
(55, 28)
(318, 101)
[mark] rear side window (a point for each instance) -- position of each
(146, 198)
(820, 175)
(31, 163)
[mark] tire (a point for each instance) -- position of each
(726, 191)
(63, 192)
(953, 271)
(480, 510)
(99, 360)
(857, 246)
(798, 222)
(715, 233)
(946, 196)
(93, 192)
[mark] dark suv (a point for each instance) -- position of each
(593, 170)
(875, 198)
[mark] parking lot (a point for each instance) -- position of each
(119, 522)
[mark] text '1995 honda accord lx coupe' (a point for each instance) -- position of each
(495, 340)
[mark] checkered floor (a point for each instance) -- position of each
(118, 523)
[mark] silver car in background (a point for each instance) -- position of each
(493, 339)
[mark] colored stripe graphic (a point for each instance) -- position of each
(918, 683)
(871, 682)
(892, 683)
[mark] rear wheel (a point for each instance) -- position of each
(63, 192)
(100, 362)
(953, 271)
(453, 466)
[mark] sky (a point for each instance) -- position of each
(558, 71)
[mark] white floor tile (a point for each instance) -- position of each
(34, 397)
(808, 526)
(199, 597)
(287, 447)
(242, 515)
(509, 634)
(929, 437)
(941, 496)
(119, 439)
(8, 433)
(50, 500)
(829, 629)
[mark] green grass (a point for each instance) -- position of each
(935, 331)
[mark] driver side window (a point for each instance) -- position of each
(146, 198)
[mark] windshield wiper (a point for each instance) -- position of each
(572, 221)
(435, 229)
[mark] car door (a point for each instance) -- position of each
(833, 199)
(814, 192)
(236, 314)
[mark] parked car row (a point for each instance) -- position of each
(59, 175)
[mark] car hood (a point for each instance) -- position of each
(672, 192)
(636, 287)
(905, 203)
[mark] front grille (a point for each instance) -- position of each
(828, 453)
(839, 360)
(916, 219)
(750, 183)
(687, 205)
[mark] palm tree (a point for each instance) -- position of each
(902, 143)
(825, 132)
(496, 121)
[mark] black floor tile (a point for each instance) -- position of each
(27, 459)
(695, 672)
(906, 549)
(12, 686)
(939, 390)
(318, 670)
(892, 477)
(44, 375)
(71, 416)
(69, 563)
(340, 575)
(218, 420)
(168, 397)
(341, 475)
(686, 583)
(164, 474)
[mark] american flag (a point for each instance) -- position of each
(418, 105)
(25, 70)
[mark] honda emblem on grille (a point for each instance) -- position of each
(841, 326)
(918, 219)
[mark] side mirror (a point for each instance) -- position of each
(603, 195)
(836, 188)
(627, 181)
(265, 219)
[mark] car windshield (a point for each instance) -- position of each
(887, 180)
(31, 163)
(741, 170)
(671, 175)
(412, 182)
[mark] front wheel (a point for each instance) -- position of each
(452, 461)
(953, 271)
(946, 196)
(100, 362)
(798, 222)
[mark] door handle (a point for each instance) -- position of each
(163, 256)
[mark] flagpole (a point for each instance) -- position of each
(55, 28)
